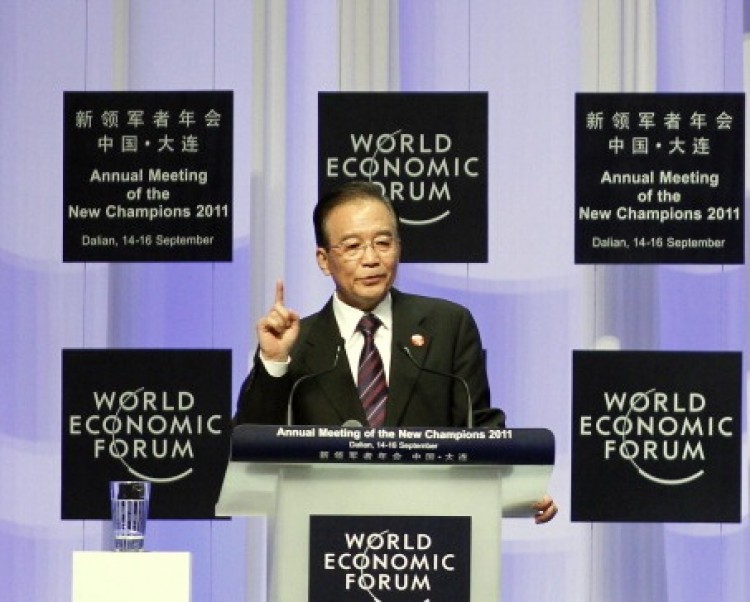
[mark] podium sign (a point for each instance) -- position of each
(399, 556)
(280, 476)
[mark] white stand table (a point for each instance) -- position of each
(128, 576)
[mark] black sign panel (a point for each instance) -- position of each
(659, 178)
(143, 414)
(365, 558)
(147, 176)
(656, 436)
(428, 153)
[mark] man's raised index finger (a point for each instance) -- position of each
(279, 292)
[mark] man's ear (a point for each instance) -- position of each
(321, 255)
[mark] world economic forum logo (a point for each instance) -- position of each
(648, 425)
(409, 167)
(151, 433)
(389, 558)
(427, 152)
(662, 435)
(157, 415)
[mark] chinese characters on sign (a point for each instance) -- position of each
(148, 176)
(390, 445)
(659, 178)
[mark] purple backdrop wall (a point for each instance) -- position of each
(532, 303)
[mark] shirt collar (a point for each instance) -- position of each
(347, 317)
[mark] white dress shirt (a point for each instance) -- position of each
(347, 318)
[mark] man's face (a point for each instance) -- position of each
(363, 275)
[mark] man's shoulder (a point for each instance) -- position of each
(321, 318)
(425, 303)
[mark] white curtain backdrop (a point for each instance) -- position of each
(533, 304)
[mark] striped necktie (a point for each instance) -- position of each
(371, 385)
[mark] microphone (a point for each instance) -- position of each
(469, 413)
(301, 379)
(351, 423)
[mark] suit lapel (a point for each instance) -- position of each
(410, 330)
(338, 386)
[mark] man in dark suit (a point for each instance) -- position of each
(415, 338)
(438, 335)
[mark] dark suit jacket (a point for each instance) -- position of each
(415, 397)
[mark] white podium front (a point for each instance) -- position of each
(293, 474)
(129, 576)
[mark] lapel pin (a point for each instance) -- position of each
(417, 340)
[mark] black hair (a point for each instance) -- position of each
(341, 194)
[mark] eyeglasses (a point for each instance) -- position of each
(351, 250)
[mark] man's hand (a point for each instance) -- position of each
(278, 329)
(545, 510)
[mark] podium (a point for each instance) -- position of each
(300, 476)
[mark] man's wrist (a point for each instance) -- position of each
(276, 368)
